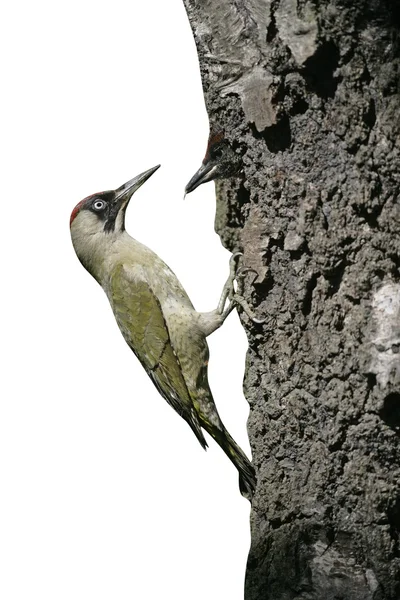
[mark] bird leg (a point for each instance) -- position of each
(211, 321)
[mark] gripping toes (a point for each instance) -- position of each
(228, 290)
(236, 296)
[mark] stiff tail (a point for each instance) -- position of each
(194, 425)
(247, 476)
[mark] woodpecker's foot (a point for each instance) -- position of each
(237, 296)
(240, 301)
(213, 320)
(228, 290)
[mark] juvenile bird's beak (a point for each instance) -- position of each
(124, 193)
(207, 172)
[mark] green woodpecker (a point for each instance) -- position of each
(155, 315)
(220, 161)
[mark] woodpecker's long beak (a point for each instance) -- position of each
(124, 193)
(116, 217)
(207, 172)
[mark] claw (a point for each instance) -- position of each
(233, 272)
(244, 270)
(233, 262)
(229, 287)
(236, 297)
(240, 301)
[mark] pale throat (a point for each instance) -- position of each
(93, 245)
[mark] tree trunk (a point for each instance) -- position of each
(307, 94)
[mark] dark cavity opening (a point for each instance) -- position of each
(390, 413)
(278, 137)
(319, 70)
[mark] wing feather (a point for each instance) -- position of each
(142, 323)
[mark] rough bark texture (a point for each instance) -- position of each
(308, 94)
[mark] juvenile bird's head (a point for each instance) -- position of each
(98, 219)
(219, 162)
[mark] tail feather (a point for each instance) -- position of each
(247, 476)
(194, 425)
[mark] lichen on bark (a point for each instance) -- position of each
(308, 94)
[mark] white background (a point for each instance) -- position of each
(105, 492)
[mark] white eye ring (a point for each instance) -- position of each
(98, 204)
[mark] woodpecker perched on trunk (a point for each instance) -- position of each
(155, 315)
(219, 162)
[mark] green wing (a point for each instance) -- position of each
(141, 321)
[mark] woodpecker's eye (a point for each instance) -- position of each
(216, 153)
(99, 205)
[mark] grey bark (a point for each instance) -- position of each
(308, 95)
